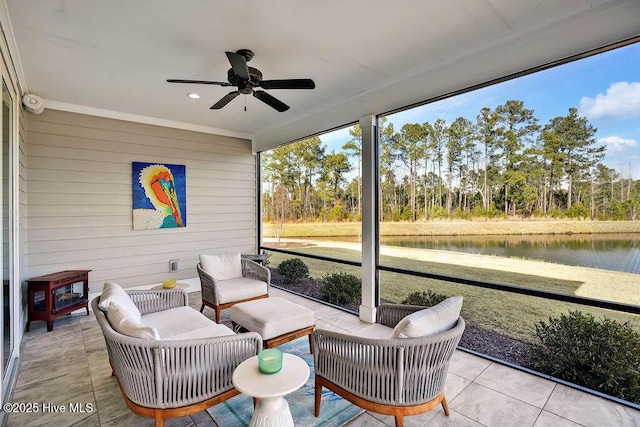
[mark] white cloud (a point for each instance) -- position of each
(617, 143)
(622, 101)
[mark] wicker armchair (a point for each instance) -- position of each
(163, 378)
(403, 376)
(221, 294)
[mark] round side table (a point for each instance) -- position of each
(272, 409)
(181, 286)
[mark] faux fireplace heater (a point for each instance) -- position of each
(56, 295)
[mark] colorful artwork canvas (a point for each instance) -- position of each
(159, 196)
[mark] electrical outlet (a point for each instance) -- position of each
(173, 265)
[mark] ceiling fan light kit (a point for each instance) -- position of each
(246, 79)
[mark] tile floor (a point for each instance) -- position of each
(70, 364)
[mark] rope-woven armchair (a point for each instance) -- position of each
(171, 378)
(401, 376)
(221, 294)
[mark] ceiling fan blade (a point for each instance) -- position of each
(225, 100)
(288, 84)
(270, 100)
(198, 82)
(239, 65)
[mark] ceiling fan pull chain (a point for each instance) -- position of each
(245, 103)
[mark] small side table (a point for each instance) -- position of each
(181, 286)
(259, 258)
(272, 409)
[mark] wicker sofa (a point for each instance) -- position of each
(185, 367)
(380, 372)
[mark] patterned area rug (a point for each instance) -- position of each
(335, 411)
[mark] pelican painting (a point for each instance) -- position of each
(159, 196)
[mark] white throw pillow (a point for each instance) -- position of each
(430, 321)
(114, 294)
(121, 321)
(222, 267)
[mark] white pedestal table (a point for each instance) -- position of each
(272, 409)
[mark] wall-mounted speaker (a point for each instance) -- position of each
(33, 103)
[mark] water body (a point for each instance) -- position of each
(616, 252)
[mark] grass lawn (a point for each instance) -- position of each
(509, 314)
(456, 228)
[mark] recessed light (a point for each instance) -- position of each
(193, 95)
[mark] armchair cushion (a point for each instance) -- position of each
(180, 323)
(222, 267)
(239, 288)
(113, 294)
(430, 321)
(122, 321)
(373, 331)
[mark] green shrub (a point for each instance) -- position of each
(460, 214)
(537, 213)
(556, 213)
(354, 217)
(336, 213)
(438, 212)
(406, 214)
(293, 269)
(341, 288)
(603, 355)
(577, 211)
(396, 216)
(492, 212)
(427, 299)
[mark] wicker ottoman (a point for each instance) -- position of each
(277, 320)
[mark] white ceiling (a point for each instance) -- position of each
(366, 56)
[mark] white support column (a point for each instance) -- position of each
(369, 219)
(259, 201)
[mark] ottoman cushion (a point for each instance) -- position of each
(271, 317)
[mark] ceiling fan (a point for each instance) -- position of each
(247, 78)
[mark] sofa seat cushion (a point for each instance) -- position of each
(214, 330)
(239, 289)
(373, 331)
(181, 323)
(122, 322)
(430, 321)
(114, 294)
(222, 267)
(272, 317)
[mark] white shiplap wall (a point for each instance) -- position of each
(22, 215)
(80, 198)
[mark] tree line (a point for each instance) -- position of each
(502, 164)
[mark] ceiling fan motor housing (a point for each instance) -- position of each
(255, 76)
(247, 53)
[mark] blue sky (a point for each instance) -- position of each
(605, 88)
